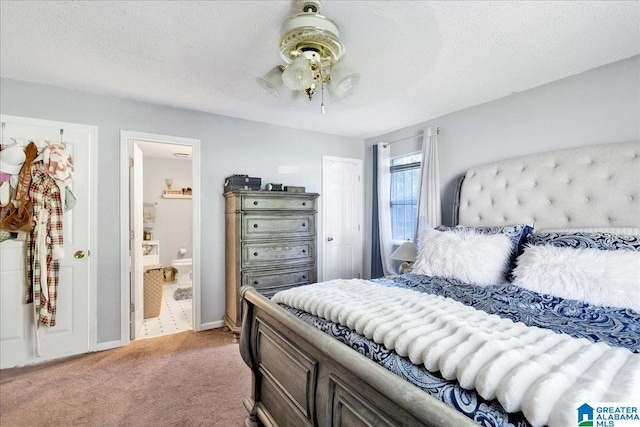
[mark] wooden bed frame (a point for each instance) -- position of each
(303, 377)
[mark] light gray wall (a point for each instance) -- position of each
(598, 106)
(173, 227)
(228, 146)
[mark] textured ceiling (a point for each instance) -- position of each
(417, 59)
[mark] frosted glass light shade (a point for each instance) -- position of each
(300, 98)
(297, 76)
(342, 83)
(272, 81)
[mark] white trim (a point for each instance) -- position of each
(212, 325)
(92, 305)
(412, 153)
(93, 241)
(124, 236)
(125, 138)
(108, 345)
(197, 248)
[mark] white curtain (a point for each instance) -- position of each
(384, 207)
(428, 211)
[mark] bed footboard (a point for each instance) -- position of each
(303, 377)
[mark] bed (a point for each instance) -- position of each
(517, 337)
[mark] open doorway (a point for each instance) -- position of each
(160, 235)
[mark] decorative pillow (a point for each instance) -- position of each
(609, 278)
(515, 232)
(625, 231)
(602, 241)
(466, 255)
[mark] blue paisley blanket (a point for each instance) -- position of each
(516, 351)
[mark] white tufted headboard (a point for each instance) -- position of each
(587, 187)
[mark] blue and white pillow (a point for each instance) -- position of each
(601, 241)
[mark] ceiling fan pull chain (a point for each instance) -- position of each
(322, 111)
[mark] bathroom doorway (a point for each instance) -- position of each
(162, 235)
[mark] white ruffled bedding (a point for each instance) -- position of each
(544, 374)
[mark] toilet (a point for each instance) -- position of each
(183, 265)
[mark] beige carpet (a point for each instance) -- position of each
(184, 379)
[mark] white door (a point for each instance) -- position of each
(342, 214)
(71, 334)
(135, 250)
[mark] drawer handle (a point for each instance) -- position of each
(255, 203)
(304, 277)
(255, 254)
(304, 251)
(255, 225)
(304, 203)
(255, 282)
(304, 225)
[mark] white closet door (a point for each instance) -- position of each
(342, 218)
(71, 335)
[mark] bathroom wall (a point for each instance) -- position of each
(174, 225)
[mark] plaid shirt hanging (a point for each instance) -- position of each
(44, 244)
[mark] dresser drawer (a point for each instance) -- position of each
(273, 281)
(260, 254)
(281, 226)
(262, 202)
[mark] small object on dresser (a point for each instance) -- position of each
(273, 187)
(242, 182)
(292, 189)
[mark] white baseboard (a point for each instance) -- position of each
(211, 325)
(109, 345)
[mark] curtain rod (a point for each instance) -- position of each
(438, 130)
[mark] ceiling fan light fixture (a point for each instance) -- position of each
(311, 48)
(342, 83)
(272, 81)
(300, 98)
(297, 75)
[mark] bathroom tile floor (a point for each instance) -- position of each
(175, 316)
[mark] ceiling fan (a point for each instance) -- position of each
(312, 52)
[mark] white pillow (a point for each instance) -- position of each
(480, 259)
(610, 278)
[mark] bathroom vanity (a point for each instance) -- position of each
(270, 244)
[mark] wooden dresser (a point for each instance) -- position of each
(270, 244)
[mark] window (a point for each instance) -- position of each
(405, 184)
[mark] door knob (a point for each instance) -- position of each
(329, 239)
(78, 254)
